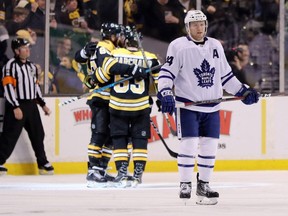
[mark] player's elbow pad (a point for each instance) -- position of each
(79, 58)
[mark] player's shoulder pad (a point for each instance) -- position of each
(108, 45)
(214, 41)
(150, 55)
(119, 51)
(76, 66)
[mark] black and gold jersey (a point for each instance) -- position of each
(131, 97)
(102, 66)
(103, 52)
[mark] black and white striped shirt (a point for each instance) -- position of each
(20, 82)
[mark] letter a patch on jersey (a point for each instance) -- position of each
(205, 74)
(215, 53)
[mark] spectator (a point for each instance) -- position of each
(238, 58)
(6, 9)
(133, 16)
(267, 11)
(63, 49)
(163, 19)
(28, 35)
(37, 17)
(19, 19)
(91, 11)
(188, 5)
(264, 51)
(222, 24)
(51, 83)
(66, 77)
(108, 11)
(72, 16)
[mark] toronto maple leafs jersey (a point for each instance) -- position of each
(197, 72)
(131, 98)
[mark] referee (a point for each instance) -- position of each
(22, 94)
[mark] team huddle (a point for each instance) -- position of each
(121, 114)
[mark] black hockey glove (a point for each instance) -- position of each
(250, 95)
(89, 82)
(137, 72)
(89, 49)
(167, 100)
(158, 103)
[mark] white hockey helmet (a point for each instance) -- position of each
(194, 16)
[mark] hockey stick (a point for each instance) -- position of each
(173, 132)
(179, 105)
(264, 95)
(104, 87)
(172, 153)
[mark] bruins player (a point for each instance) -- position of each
(99, 148)
(130, 112)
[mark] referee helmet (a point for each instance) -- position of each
(18, 42)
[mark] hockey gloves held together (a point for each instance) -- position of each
(137, 72)
(89, 49)
(167, 100)
(89, 82)
(250, 95)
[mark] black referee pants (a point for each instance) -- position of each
(12, 129)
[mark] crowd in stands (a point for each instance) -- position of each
(252, 24)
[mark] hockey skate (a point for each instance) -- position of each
(185, 190)
(109, 177)
(135, 181)
(47, 169)
(104, 172)
(130, 179)
(3, 170)
(137, 176)
(121, 180)
(205, 195)
(95, 179)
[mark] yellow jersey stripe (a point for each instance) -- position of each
(121, 159)
(129, 108)
(93, 147)
(95, 155)
(146, 98)
(140, 159)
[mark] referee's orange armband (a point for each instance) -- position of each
(9, 80)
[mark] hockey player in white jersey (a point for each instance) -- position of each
(197, 69)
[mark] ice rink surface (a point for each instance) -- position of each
(257, 193)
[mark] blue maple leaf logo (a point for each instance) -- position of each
(205, 74)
